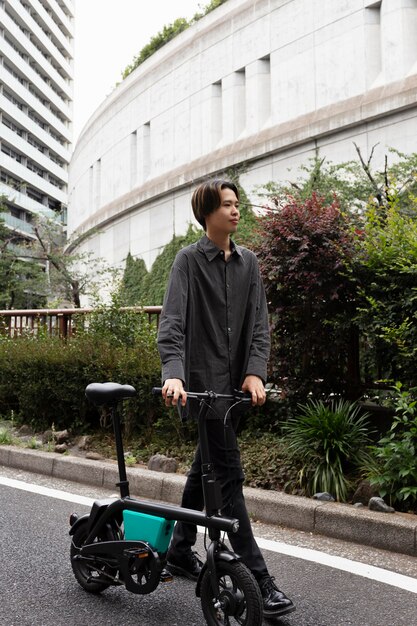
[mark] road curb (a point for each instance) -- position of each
(396, 532)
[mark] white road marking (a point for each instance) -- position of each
(315, 556)
(46, 491)
(338, 562)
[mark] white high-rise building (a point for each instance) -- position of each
(36, 93)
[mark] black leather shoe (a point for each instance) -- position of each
(275, 601)
(188, 565)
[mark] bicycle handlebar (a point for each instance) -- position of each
(210, 395)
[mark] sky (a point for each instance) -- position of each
(108, 35)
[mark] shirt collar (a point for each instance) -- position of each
(211, 251)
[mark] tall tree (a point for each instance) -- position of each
(338, 254)
(304, 253)
(134, 281)
(21, 277)
(69, 276)
(247, 230)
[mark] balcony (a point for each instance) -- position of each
(23, 173)
(21, 200)
(41, 159)
(32, 25)
(26, 122)
(23, 252)
(11, 27)
(31, 76)
(17, 224)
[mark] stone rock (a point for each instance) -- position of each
(359, 505)
(364, 492)
(61, 448)
(83, 442)
(94, 456)
(25, 431)
(25, 438)
(324, 497)
(378, 504)
(162, 463)
(47, 436)
(61, 436)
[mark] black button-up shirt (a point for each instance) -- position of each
(213, 329)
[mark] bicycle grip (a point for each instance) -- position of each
(156, 391)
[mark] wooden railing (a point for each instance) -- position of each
(57, 322)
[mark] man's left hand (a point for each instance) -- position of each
(255, 387)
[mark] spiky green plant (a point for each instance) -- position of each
(330, 442)
(6, 437)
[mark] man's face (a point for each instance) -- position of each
(224, 220)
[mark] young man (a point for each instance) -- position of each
(214, 335)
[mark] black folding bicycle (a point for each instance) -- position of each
(124, 541)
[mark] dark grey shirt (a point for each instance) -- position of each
(213, 329)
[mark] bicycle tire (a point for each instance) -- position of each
(240, 600)
(83, 571)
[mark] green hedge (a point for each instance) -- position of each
(42, 380)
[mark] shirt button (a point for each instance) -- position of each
(229, 330)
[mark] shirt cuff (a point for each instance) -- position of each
(173, 369)
(257, 367)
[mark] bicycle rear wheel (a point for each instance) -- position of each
(90, 575)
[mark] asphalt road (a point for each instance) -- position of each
(38, 588)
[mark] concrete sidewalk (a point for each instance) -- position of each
(390, 531)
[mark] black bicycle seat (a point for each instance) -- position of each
(108, 393)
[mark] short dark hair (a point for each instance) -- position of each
(206, 198)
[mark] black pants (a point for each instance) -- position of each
(225, 455)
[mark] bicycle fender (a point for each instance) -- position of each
(223, 555)
(81, 520)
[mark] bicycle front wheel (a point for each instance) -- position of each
(239, 600)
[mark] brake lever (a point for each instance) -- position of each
(242, 395)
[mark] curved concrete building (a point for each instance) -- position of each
(261, 83)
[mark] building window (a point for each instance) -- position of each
(35, 168)
(16, 129)
(33, 193)
(33, 142)
(12, 99)
(11, 153)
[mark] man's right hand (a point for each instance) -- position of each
(172, 390)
